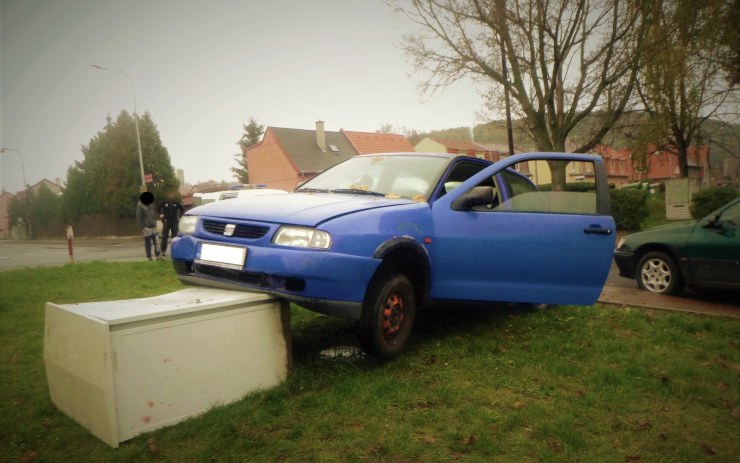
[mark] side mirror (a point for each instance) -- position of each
(713, 223)
(478, 196)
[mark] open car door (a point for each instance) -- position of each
(533, 228)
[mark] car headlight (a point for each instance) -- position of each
(188, 224)
(620, 243)
(302, 237)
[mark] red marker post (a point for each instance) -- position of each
(70, 235)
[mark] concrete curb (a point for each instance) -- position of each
(638, 298)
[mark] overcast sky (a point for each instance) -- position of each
(201, 69)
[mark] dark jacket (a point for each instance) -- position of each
(144, 216)
(171, 211)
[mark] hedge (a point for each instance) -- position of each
(708, 200)
(629, 208)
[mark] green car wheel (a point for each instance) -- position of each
(658, 273)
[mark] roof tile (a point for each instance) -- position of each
(369, 142)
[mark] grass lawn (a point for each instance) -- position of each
(485, 384)
(656, 212)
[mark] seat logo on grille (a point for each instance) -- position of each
(229, 230)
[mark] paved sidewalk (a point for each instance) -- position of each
(640, 298)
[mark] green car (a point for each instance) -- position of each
(700, 254)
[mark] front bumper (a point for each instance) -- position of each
(626, 264)
(322, 281)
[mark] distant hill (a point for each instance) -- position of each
(724, 140)
(492, 133)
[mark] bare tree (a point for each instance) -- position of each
(566, 59)
(683, 78)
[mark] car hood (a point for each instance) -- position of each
(309, 209)
(676, 233)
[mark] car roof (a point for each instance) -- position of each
(413, 153)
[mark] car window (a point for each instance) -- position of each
(731, 216)
(394, 176)
(460, 172)
(554, 186)
(409, 186)
(518, 184)
(546, 186)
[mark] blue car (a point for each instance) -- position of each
(379, 236)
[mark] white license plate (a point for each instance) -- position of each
(222, 255)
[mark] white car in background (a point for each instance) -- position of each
(204, 198)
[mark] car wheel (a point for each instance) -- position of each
(658, 273)
(387, 315)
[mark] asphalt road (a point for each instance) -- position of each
(19, 254)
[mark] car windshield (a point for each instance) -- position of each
(406, 176)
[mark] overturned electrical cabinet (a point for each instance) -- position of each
(122, 368)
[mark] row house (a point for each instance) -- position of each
(619, 169)
(663, 165)
(286, 157)
(467, 148)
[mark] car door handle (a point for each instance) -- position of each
(598, 231)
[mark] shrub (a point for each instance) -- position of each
(710, 199)
(578, 187)
(629, 208)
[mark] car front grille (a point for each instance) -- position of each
(250, 278)
(241, 231)
(257, 279)
(181, 266)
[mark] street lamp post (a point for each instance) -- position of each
(23, 166)
(25, 183)
(142, 188)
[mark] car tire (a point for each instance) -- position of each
(658, 273)
(387, 315)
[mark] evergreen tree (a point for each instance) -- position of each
(44, 209)
(252, 135)
(20, 206)
(107, 180)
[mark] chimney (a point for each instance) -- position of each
(320, 135)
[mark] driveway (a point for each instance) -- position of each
(624, 291)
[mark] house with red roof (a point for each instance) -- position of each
(6, 228)
(619, 169)
(285, 157)
(369, 142)
(5, 199)
(467, 148)
(662, 165)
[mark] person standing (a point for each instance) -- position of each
(170, 212)
(148, 223)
